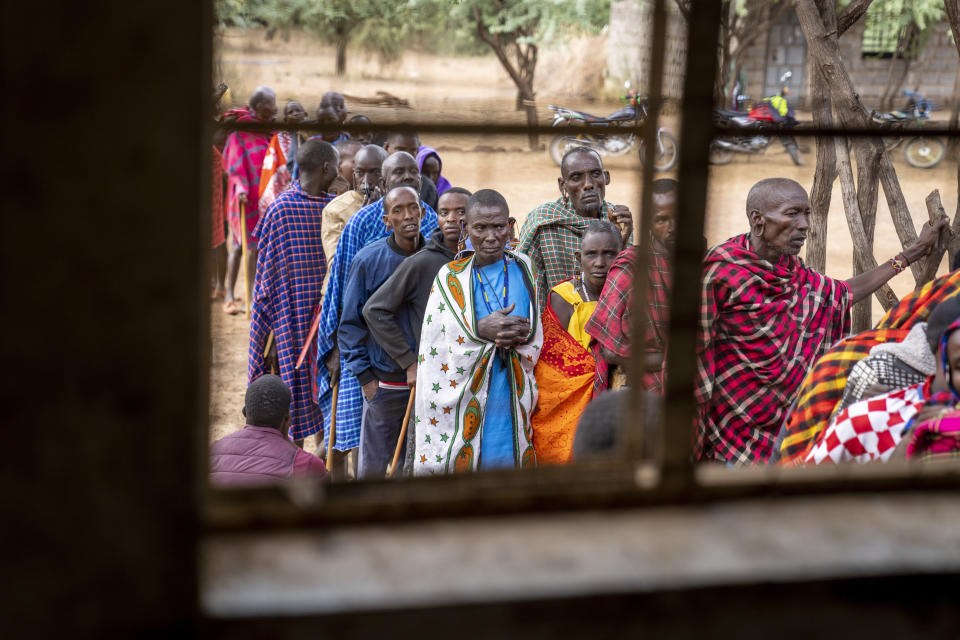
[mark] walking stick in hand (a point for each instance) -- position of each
(244, 258)
(392, 469)
(331, 438)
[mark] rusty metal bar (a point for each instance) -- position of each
(696, 130)
(522, 129)
(635, 420)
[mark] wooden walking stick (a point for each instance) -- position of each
(243, 258)
(266, 353)
(333, 428)
(392, 469)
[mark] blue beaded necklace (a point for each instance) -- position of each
(485, 286)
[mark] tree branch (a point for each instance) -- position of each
(850, 14)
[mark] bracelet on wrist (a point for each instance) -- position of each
(899, 263)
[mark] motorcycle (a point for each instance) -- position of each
(922, 152)
(607, 140)
(764, 125)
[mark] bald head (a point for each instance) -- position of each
(769, 193)
(779, 214)
(400, 168)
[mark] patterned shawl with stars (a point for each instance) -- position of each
(453, 377)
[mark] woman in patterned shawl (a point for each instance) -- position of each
(480, 342)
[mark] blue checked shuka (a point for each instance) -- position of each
(286, 293)
(366, 226)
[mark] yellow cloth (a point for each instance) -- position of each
(779, 103)
(335, 216)
(564, 375)
(581, 312)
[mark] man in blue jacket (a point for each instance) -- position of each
(383, 381)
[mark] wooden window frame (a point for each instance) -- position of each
(626, 482)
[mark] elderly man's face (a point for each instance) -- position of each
(784, 221)
(585, 182)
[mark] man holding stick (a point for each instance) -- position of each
(383, 381)
(398, 307)
(287, 289)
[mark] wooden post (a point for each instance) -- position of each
(935, 211)
(855, 223)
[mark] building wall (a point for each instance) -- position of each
(629, 47)
(933, 73)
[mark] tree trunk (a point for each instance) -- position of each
(826, 169)
(342, 37)
(824, 50)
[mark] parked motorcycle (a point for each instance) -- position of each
(922, 152)
(608, 139)
(764, 119)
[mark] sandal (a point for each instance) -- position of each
(232, 308)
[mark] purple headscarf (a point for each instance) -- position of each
(425, 152)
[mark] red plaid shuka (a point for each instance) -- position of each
(761, 326)
(216, 186)
(610, 323)
(242, 159)
(822, 389)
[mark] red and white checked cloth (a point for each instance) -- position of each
(870, 429)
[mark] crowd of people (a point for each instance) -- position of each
(399, 317)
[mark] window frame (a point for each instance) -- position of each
(626, 482)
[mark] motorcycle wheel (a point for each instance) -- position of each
(719, 155)
(924, 153)
(560, 145)
(666, 158)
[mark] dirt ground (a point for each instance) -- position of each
(476, 88)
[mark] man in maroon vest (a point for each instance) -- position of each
(261, 453)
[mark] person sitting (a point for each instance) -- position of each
(610, 325)
(890, 365)
(402, 299)
(599, 433)
(261, 453)
(566, 369)
(430, 167)
(823, 387)
(480, 342)
(765, 318)
(552, 232)
(871, 429)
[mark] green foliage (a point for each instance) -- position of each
(531, 21)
